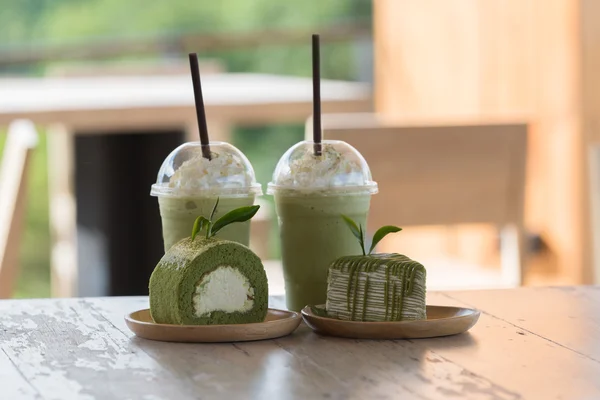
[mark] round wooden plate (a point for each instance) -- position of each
(441, 321)
(277, 324)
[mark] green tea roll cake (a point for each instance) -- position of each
(208, 282)
(377, 287)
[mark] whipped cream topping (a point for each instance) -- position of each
(223, 171)
(331, 169)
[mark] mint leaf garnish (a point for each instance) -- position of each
(214, 210)
(381, 233)
(241, 214)
(357, 231)
(198, 225)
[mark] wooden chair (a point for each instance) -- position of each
(22, 139)
(444, 174)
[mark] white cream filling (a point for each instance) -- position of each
(224, 289)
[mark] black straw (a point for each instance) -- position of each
(316, 70)
(204, 141)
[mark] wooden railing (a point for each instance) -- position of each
(100, 49)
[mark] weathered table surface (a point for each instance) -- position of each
(541, 343)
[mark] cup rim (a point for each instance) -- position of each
(164, 190)
(370, 187)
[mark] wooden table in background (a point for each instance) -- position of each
(541, 343)
(118, 103)
(108, 135)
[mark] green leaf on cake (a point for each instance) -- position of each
(362, 239)
(198, 225)
(241, 214)
(381, 233)
(214, 210)
(352, 225)
(210, 223)
(357, 231)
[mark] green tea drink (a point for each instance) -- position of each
(311, 193)
(179, 214)
(312, 236)
(188, 185)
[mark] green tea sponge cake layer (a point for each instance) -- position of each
(208, 282)
(378, 287)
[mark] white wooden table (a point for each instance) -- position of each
(121, 102)
(539, 343)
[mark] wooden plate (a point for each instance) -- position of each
(278, 323)
(441, 321)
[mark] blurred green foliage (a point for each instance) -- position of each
(25, 24)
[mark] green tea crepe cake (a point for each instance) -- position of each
(377, 287)
(208, 281)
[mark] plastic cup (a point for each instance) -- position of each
(311, 193)
(188, 186)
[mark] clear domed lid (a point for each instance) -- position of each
(185, 172)
(339, 168)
